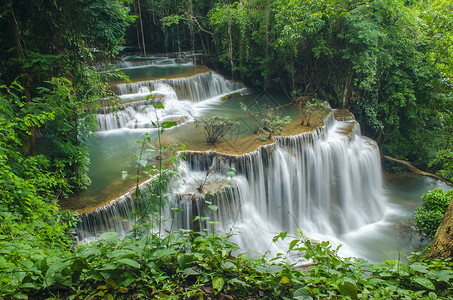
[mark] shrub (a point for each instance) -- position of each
(429, 215)
(268, 122)
(443, 164)
(215, 127)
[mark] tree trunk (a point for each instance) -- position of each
(230, 43)
(25, 80)
(443, 241)
(141, 27)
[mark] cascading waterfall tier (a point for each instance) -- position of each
(194, 88)
(178, 96)
(327, 182)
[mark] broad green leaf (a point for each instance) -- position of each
(109, 266)
(425, 282)
(158, 105)
(142, 162)
(419, 268)
(237, 281)
(191, 271)
(184, 260)
(442, 275)
(281, 235)
(168, 124)
(292, 244)
(272, 269)
(213, 207)
(302, 294)
(348, 288)
(227, 265)
(284, 280)
(124, 174)
(217, 284)
(129, 262)
(109, 236)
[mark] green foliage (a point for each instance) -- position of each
(269, 121)
(189, 264)
(311, 110)
(216, 127)
(430, 214)
(387, 61)
(443, 164)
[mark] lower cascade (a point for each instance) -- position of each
(327, 182)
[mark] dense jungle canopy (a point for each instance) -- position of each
(390, 62)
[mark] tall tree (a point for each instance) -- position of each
(68, 39)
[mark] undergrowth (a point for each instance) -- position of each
(201, 265)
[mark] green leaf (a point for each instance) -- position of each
(284, 280)
(237, 281)
(292, 244)
(184, 260)
(158, 105)
(124, 174)
(161, 253)
(191, 271)
(168, 124)
(348, 287)
(281, 235)
(302, 294)
(228, 265)
(129, 262)
(419, 268)
(442, 275)
(272, 269)
(142, 162)
(213, 207)
(109, 236)
(425, 282)
(217, 284)
(432, 295)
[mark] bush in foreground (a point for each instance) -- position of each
(429, 215)
(200, 265)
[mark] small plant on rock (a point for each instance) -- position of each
(215, 127)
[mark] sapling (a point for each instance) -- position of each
(216, 127)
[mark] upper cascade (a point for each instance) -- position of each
(194, 88)
(178, 95)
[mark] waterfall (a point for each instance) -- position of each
(195, 88)
(327, 182)
(178, 95)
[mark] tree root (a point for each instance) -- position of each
(416, 170)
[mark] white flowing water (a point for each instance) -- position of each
(327, 183)
(179, 97)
